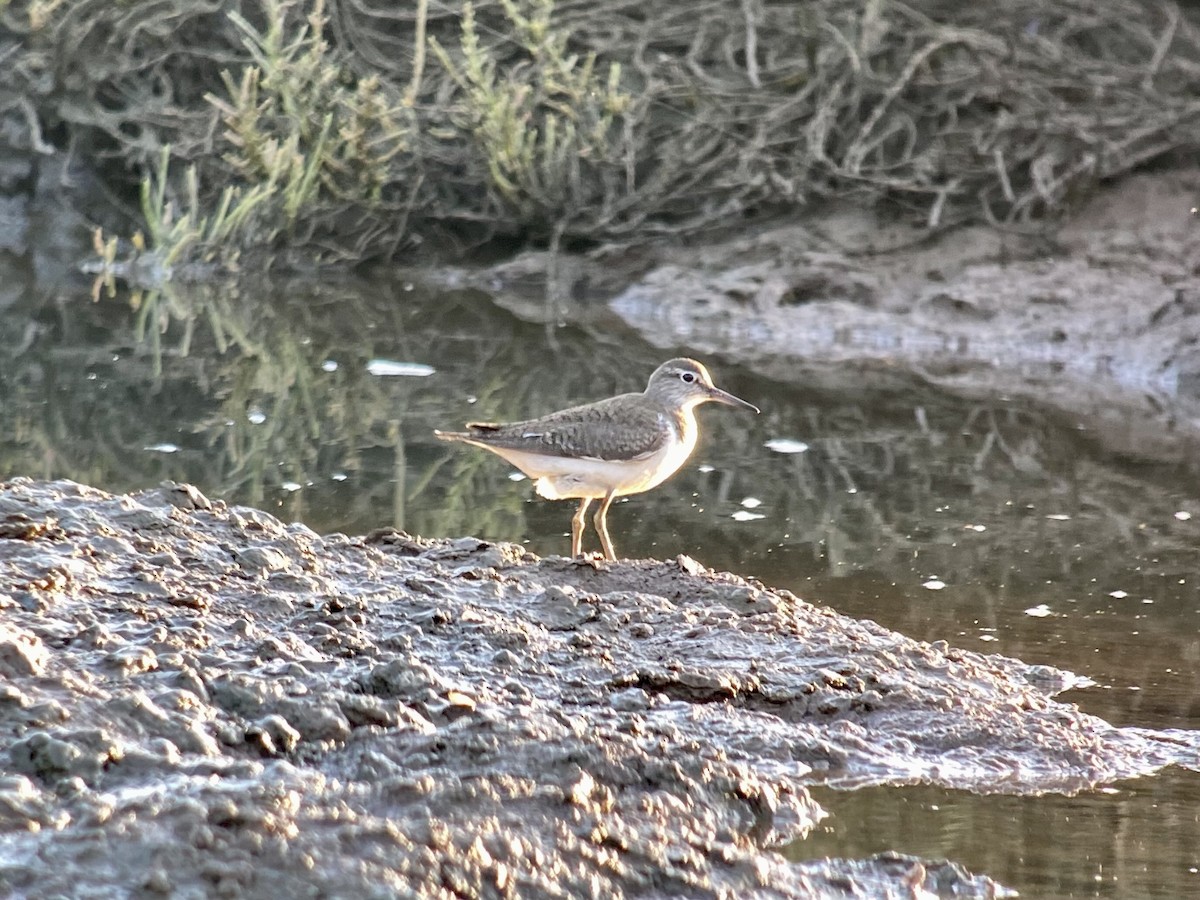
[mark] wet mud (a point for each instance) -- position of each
(199, 700)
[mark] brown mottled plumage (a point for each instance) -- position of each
(621, 445)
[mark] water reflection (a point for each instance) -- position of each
(1096, 844)
(992, 526)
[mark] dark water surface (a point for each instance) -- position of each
(993, 526)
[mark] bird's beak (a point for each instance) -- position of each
(720, 396)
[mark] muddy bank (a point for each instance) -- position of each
(201, 700)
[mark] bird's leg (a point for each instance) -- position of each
(601, 524)
(577, 527)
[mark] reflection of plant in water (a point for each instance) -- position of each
(280, 416)
(236, 377)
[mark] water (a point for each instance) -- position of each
(1131, 840)
(992, 525)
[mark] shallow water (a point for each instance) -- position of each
(1130, 840)
(992, 526)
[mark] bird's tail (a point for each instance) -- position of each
(474, 428)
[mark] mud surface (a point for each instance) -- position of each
(198, 700)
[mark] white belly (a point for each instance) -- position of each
(562, 478)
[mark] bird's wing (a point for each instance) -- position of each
(601, 430)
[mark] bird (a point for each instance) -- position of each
(607, 449)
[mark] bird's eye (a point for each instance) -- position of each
(689, 377)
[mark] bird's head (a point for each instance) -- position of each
(686, 383)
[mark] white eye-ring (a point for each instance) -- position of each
(689, 377)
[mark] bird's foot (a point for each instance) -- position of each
(590, 558)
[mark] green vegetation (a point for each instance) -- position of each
(545, 138)
(295, 132)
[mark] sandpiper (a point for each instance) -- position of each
(622, 445)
